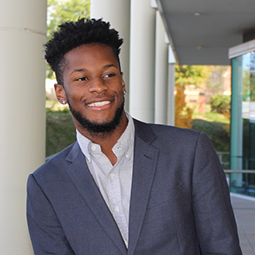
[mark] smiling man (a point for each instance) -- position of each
(125, 187)
(95, 94)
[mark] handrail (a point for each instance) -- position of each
(239, 171)
(220, 154)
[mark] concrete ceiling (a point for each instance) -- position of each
(202, 31)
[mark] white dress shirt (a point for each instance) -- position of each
(114, 182)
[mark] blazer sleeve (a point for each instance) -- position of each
(46, 233)
(214, 218)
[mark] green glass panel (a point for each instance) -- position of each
(242, 145)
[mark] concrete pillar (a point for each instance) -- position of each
(161, 71)
(171, 85)
(22, 114)
(118, 14)
(142, 60)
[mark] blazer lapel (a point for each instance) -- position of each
(84, 182)
(145, 160)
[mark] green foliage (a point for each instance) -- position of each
(212, 116)
(186, 75)
(60, 11)
(214, 83)
(248, 85)
(218, 135)
(220, 103)
(190, 75)
(216, 132)
(60, 130)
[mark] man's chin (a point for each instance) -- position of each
(99, 127)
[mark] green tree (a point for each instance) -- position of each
(60, 11)
(215, 81)
(220, 103)
(190, 75)
(186, 75)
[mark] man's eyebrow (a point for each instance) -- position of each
(84, 69)
(79, 70)
(108, 66)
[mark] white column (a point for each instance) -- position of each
(22, 114)
(171, 85)
(117, 12)
(161, 71)
(142, 60)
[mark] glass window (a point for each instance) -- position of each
(242, 149)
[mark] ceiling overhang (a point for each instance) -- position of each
(201, 32)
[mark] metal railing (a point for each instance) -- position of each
(220, 155)
(246, 187)
(240, 171)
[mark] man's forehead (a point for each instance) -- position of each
(75, 60)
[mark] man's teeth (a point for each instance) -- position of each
(100, 103)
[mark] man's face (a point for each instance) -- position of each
(93, 87)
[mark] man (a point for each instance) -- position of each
(125, 187)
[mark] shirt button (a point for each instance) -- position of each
(93, 147)
(117, 209)
(119, 147)
(111, 176)
(127, 156)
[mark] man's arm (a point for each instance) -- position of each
(45, 229)
(214, 218)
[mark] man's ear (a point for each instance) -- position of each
(123, 84)
(60, 93)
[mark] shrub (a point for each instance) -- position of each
(220, 103)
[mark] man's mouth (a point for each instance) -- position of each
(98, 104)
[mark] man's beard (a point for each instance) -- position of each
(94, 128)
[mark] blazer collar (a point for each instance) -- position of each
(145, 161)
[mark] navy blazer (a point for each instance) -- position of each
(179, 204)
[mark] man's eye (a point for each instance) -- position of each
(82, 79)
(109, 75)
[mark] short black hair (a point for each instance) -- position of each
(73, 34)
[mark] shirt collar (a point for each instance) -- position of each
(126, 141)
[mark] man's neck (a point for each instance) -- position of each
(106, 140)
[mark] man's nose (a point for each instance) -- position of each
(97, 85)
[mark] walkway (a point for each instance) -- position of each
(244, 209)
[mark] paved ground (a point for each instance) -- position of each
(244, 209)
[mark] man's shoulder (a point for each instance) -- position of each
(165, 131)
